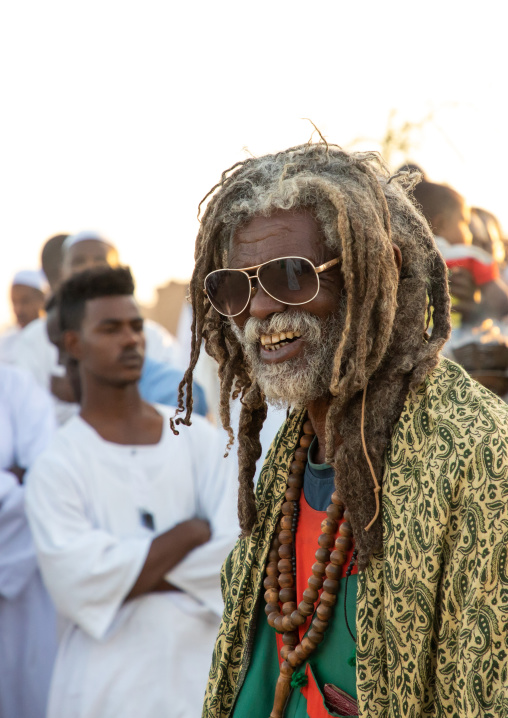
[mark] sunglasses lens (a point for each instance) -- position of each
(228, 291)
(290, 280)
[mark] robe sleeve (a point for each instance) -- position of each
(33, 418)
(216, 486)
(87, 571)
(17, 554)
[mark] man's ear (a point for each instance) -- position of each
(398, 256)
(72, 344)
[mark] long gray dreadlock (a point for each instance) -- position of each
(384, 344)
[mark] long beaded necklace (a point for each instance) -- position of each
(281, 571)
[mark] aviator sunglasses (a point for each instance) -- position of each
(290, 280)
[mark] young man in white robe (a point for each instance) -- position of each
(28, 635)
(131, 525)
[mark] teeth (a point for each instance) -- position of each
(282, 336)
(267, 340)
(275, 338)
(298, 334)
(290, 335)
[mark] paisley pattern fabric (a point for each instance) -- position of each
(432, 609)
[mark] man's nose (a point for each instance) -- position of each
(262, 305)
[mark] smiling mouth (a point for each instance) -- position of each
(274, 342)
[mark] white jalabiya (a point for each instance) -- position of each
(91, 503)
(9, 339)
(27, 618)
(35, 353)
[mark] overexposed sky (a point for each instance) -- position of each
(119, 116)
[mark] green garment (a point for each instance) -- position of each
(255, 699)
(432, 608)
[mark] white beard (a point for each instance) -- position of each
(297, 381)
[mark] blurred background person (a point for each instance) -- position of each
(131, 523)
(475, 285)
(28, 637)
(36, 353)
(27, 295)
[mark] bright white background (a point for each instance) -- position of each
(120, 115)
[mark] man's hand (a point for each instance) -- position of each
(166, 551)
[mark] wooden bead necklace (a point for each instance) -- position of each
(280, 577)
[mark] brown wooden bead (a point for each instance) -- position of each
(345, 529)
(285, 566)
(286, 580)
(336, 500)
(329, 526)
(315, 582)
(272, 617)
(271, 582)
(273, 555)
(326, 541)
(322, 555)
(342, 543)
(301, 454)
(286, 522)
(293, 659)
(301, 653)
(295, 481)
(328, 599)
(288, 606)
(271, 569)
(298, 618)
(310, 595)
(318, 568)
(291, 495)
(297, 467)
(286, 669)
(315, 636)
(324, 613)
(329, 585)
(285, 651)
(308, 645)
(306, 441)
(338, 558)
(290, 638)
(288, 508)
(277, 623)
(287, 594)
(286, 550)
(287, 624)
(305, 608)
(308, 428)
(271, 608)
(286, 536)
(319, 625)
(334, 512)
(333, 572)
(275, 543)
(347, 515)
(271, 595)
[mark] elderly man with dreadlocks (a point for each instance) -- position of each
(371, 575)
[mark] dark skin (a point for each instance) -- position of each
(285, 234)
(110, 350)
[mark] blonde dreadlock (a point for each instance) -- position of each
(384, 342)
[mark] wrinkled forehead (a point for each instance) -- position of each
(282, 233)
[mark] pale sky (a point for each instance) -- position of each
(119, 116)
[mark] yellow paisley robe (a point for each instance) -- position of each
(432, 609)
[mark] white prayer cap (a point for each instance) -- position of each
(83, 236)
(31, 278)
